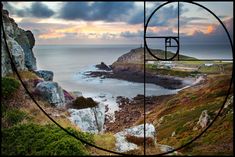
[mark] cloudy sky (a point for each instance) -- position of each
(119, 22)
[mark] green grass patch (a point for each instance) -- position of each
(158, 71)
(25, 75)
(210, 69)
(13, 116)
(193, 97)
(186, 140)
(32, 139)
(176, 121)
(9, 86)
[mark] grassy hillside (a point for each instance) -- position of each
(186, 68)
(136, 56)
(180, 115)
(161, 54)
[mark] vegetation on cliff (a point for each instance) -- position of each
(9, 86)
(27, 131)
(33, 139)
(81, 103)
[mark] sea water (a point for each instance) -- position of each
(70, 62)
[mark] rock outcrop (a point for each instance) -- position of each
(166, 148)
(103, 66)
(204, 120)
(45, 74)
(130, 138)
(89, 119)
(130, 66)
(17, 55)
(20, 43)
(51, 92)
(68, 97)
(229, 102)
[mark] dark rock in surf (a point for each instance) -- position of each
(103, 66)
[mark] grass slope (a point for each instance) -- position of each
(181, 113)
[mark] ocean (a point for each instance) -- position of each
(70, 62)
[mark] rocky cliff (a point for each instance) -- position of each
(20, 44)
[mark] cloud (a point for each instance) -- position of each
(140, 33)
(167, 15)
(137, 17)
(108, 36)
(37, 9)
(128, 12)
(216, 35)
(128, 34)
(103, 11)
(189, 20)
(40, 10)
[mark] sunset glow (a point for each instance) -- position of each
(61, 22)
(51, 35)
(209, 29)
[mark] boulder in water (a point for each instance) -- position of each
(103, 66)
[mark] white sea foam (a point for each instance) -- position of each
(108, 89)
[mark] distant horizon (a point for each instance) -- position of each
(193, 43)
(199, 51)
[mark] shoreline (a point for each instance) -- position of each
(131, 110)
(168, 82)
(118, 102)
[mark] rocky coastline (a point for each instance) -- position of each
(168, 82)
(131, 110)
(135, 73)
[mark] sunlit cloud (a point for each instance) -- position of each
(51, 35)
(67, 30)
(209, 29)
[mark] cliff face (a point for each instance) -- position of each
(20, 44)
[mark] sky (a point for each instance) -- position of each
(93, 23)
